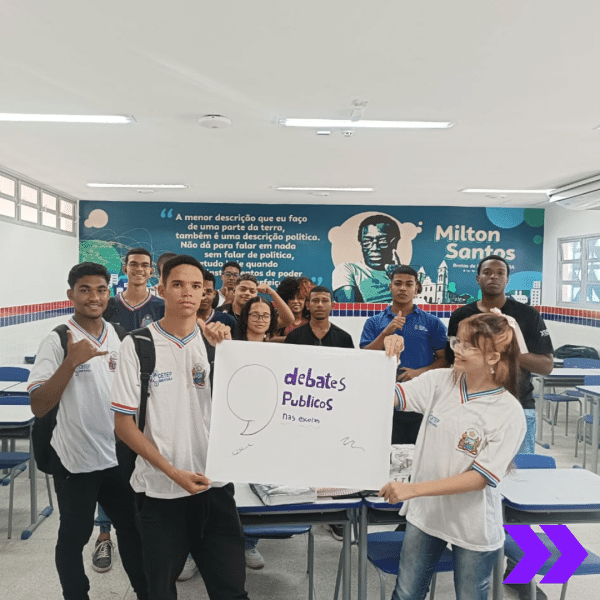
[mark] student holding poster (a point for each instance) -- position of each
(473, 427)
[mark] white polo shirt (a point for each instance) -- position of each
(178, 410)
(84, 434)
(461, 431)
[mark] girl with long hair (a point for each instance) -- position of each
(472, 428)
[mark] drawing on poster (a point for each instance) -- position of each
(258, 412)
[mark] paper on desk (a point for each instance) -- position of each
(301, 415)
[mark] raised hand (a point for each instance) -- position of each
(216, 332)
(264, 288)
(396, 323)
(82, 351)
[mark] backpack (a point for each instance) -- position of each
(571, 351)
(41, 435)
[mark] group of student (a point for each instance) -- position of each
(468, 422)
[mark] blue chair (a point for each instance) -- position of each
(286, 532)
(569, 396)
(15, 463)
(585, 420)
(383, 552)
(590, 566)
(13, 374)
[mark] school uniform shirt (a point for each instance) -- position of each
(460, 431)
(423, 335)
(535, 333)
(178, 409)
(134, 317)
(84, 434)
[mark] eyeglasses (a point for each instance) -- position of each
(456, 345)
(231, 275)
(382, 242)
(257, 317)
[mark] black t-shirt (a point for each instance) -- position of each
(228, 310)
(335, 337)
(534, 331)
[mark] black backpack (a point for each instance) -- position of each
(573, 351)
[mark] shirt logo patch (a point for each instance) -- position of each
(470, 441)
(157, 378)
(147, 320)
(544, 333)
(421, 328)
(84, 368)
(112, 361)
(433, 420)
(199, 375)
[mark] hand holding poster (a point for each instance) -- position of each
(301, 415)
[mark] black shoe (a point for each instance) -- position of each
(336, 531)
(523, 589)
(102, 556)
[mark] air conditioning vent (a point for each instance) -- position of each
(581, 195)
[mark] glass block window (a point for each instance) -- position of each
(49, 219)
(28, 203)
(8, 208)
(49, 201)
(7, 186)
(28, 194)
(579, 272)
(28, 213)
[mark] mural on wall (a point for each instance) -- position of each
(346, 248)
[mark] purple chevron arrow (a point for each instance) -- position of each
(572, 554)
(536, 554)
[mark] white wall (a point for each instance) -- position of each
(35, 265)
(560, 223)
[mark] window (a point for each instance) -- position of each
(579, 272)
(27, 203)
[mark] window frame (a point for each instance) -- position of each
(583, 263)
(41, 209)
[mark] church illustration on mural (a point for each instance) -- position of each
(440, 291)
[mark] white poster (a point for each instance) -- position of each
(301, 415)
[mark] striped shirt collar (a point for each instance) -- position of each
(179, 343)
(97, 341)
(137, 306)
(212, 314)
(466, 397)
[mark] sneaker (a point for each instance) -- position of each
(102, 556)
(336, 531)
(254, 559)
(189, 570)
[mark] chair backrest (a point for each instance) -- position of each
(581, 363)
(14, 400)
(591, 380)
(534, 461)
(13, 374)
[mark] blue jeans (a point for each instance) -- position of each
(250, 542)
(528, 445)
(102, 521)
(419, 557)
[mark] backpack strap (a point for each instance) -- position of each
(144, 348)
(121, 331)
(61, 330)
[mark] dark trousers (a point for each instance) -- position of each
(77, 496)
(207, 525)
(405, 427)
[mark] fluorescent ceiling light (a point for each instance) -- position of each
(162, 186)
(325, 189)
(34, 118)
(493, 191)
(342, 123)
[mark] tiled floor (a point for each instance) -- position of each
(28, 573)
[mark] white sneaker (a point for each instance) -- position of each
(254, 559)
(189, 570)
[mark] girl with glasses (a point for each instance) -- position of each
(472, 428)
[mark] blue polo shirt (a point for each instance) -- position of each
(422, 332)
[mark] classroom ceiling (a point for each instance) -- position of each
(516, 78)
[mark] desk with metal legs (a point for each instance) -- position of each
(593, 393)
(561, 378)
(333, 511)
(17, 417)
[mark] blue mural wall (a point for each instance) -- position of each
(330, 244)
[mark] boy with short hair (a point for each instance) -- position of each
(85, 469)
(180, 510)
